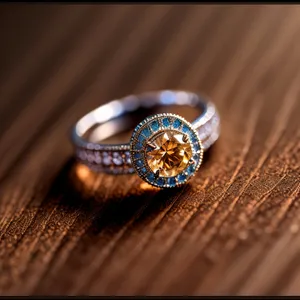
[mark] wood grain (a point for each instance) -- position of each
(234, 230)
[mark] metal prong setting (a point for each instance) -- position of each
(185, 138)
(151, 145)
(156, 174)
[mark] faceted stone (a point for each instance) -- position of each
(160, 181)
(117, 159)
(166, 122)
(139, 163)
(127, 157)
(151, 177)
(170, 154)
(181, 177)
(191, 169)
(154, 125)
(176, 123)
(106, 159)
(146, 132)
(171, 181)
(97, 158)
(137, 155)
(185, 129)
(139, 146)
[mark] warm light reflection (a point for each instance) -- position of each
(85, 176)
(92, 184)
(147, 187)
(82, 172)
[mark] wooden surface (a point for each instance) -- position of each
(235, 229)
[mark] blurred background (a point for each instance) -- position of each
(233, 230)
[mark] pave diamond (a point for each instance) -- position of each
(127, 157)
(171, 154)
(117, 159)
(106, 159)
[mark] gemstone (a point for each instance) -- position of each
(176, 123)
(97, 158)
(117, 159)
(139, 146)
(171, 181)
(82, 155)
(146, 132)
(191, 169)
(160, 181)
(170, 154)
(185, 129)
(181, 177)
(151, 177)
(141, 138)
(197, 147)
(106, 159)
(127, 157)
(90, 158)
(139, 163)
(154, 125)
(137, 155)
(166, 122)
(194, 139)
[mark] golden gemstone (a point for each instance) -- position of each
(170, 155)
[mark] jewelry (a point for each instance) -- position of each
(165, 150)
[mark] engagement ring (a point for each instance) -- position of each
(165, 150)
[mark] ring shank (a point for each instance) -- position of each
(115, 158)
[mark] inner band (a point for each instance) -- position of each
(94, 125)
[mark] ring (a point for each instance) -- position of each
(165, 150)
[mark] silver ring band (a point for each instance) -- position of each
(116, 158)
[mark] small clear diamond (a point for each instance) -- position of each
(106, 159)
(82, 155)
(97, 158)
(127, 158)
(90, 158)
(117, 159)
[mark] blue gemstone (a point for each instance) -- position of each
(146, 132)
(141, 138)
(191, 169)
(176, 123)
(194, 138)
(166, 122)
(195, 157)
(181, 177)
(196, 147)
(172, 181)
(138, 146)
(139, 163)
(185, 129)
(154, 125)
(137, 155)
(150, 177)
(143, 170)
(160, 181)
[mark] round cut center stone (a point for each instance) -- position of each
(170, 154)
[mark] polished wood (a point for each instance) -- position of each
(233, 230)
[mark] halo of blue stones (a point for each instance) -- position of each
(148, 129)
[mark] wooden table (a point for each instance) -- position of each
(235, 229)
